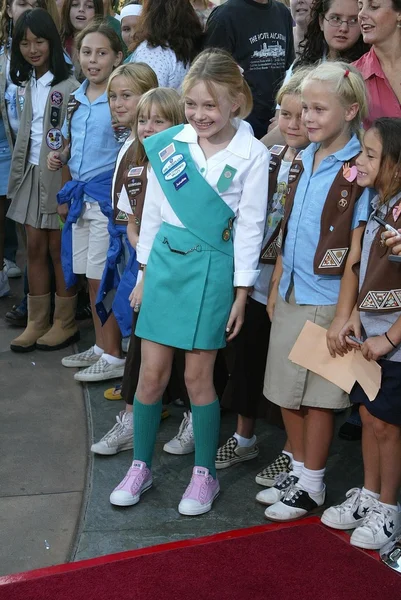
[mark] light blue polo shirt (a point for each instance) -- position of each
(303, 230)
(94, 148)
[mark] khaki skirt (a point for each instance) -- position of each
(286, 383)
(25, 207)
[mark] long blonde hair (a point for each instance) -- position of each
(346, 83)
(217, 67)
(140, 77)
(170, 106)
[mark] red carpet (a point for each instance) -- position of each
(302, 562)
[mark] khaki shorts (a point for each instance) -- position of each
(90, 242)
(286, 383)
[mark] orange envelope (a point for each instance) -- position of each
(310, 351)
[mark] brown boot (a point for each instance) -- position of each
(64, 331)
(38, 324)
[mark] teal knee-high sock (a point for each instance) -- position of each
(206, 425)
(146, 426)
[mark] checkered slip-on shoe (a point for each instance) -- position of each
(267, 477)
(100, 371)
(231, 453)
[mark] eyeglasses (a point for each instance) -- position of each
(337, 22)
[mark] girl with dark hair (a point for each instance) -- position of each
(11, 10)
(44, 85)
(333, 33)
(373, 510)
(75, 16)
(168, 37)
(85, 201)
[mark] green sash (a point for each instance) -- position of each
(199, 208)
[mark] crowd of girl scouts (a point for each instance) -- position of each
(193, 235)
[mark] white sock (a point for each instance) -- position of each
(289, 454)
(297, 467)
(390, 506)
(113, 360)
(370, 493)
(245, 442)
(312, 481)
(98, 351)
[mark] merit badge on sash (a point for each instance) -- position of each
(350, 173)
(21, 97)
(166, 152)
(135, 172)
(276, 149)
(54, 139)
(56, 100)
(226, 178)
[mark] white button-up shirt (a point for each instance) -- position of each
(40, 90)
(246, 196)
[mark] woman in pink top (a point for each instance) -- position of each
(380, 22)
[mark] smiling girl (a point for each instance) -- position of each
(91, 152)
(44, 85)
(373, 510)
(324, 218)
(200, 239)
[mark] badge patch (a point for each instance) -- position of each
(166, 152)
(122, 216)
(172, 162)
(54, 139)
(178, 183)
(226, 178)
(173, 173)
(396, 212)
(56, 98)
(135, 172)
(350, 173)
(276, 149)
(333, 258)
(21, 91)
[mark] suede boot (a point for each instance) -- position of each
(38, 324)
(64, 331)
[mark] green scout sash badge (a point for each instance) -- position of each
(226, 178)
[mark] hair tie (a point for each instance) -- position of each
(346, 73)
(241, 70)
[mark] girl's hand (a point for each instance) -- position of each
(54, 161)
(62, 211)
(237, 314)
(351, 327)
(271, 302)
(135, 297)
(376, 347)
(393, 241)
(333, 341)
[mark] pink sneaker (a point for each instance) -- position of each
(137, 480)
(200, 493)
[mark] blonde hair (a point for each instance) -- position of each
(140, 77)
(347, 84)
(217, 67)
(293, 86)
(171, 109)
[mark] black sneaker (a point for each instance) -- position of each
(17, 316)
(297, 503)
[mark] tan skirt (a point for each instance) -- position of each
(286, 383)
(25, 207)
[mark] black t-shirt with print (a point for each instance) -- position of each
(259, 37)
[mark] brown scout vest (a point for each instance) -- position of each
(135, 180)
(336, 220)
(380, 291)
(269, 251)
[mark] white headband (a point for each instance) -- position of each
(132, 10)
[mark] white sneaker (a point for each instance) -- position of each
(119, 438)
(276, 493)
(12, 269)
(297, 503)
(100, 371)
(380, 526)
(351, 513)
(4, 285)
(183, 442)
(82, 359)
